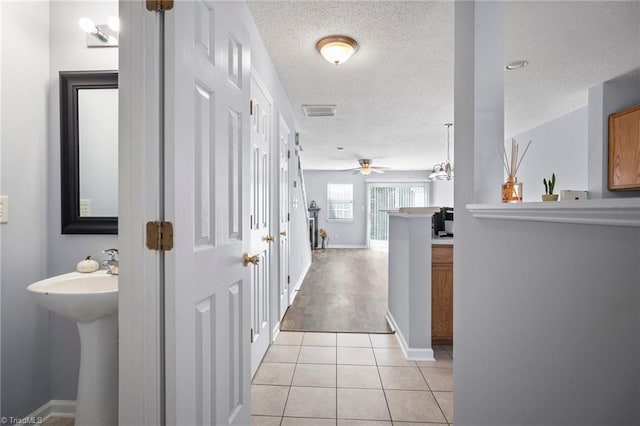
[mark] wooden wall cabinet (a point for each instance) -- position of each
(442, 295)
(624, 150)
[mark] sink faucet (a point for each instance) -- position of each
(113, 263)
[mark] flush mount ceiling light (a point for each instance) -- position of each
(101, 35)
(516, 65)
(444, 170)
(337, 49)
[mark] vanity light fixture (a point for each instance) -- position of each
(516, 65)
(337, 49)
(100, 35)
(114, 23)
(444, 170)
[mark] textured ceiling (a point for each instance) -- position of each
(395, 94)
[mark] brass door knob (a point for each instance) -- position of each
(269, 238)
(246, 259)
(283, 233)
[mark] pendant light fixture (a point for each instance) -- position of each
(337, 49)
(444, 170)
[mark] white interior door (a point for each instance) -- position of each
(206, 178)
(283, 211)
(261, 128)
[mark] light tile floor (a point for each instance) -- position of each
(318, 379)
(309, 379)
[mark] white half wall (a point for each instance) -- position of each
(546, 315)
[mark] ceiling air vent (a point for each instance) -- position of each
(319, 110)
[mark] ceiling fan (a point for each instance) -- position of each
(366, 168)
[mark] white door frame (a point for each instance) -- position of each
(279, 211)
(139, 160)
(257, 346)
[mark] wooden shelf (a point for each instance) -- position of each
(613, 211)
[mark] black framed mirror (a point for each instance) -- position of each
(89, 152)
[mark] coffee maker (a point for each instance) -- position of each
(442, 222)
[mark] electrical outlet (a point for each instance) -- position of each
(4, 209)
(85, 207)
(336, 237)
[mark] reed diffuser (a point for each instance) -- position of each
(512, 189)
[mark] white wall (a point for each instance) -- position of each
(69, 53)
(558, 146)
(26, 382)
(546, 315)
(348, 233)
(300, 248)
(441, 193)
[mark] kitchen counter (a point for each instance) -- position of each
(441, 241)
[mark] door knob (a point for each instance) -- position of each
(283, 233)
(269, 238)
(246, 259)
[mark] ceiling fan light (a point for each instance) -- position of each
(337, 49)
(365, 171)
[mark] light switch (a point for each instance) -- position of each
(85, 207)
(4, 209)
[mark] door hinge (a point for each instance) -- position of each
(251, 107)
(297, 138)
(252, 335)
(288, 279)
(159, 5)
(288, 217)
(160, 236)
(288, 153)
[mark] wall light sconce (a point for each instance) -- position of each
(337, 49)
(101, 35)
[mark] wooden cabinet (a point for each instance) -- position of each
(442, 294)
(624, 150)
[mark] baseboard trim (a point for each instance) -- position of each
(294, 291)
(346, 246)
(411, 354)
(52, 408)
(275, 332)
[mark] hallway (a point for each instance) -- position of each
(310, 379)
(345, 290)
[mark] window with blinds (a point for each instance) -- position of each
(392, 195)
(340, 201)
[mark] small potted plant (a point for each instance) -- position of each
(324, 235)
(549, 185)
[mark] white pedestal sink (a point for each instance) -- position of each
(92, 301)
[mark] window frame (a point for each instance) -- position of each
(329, 210)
